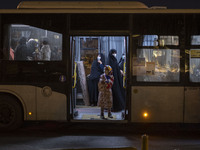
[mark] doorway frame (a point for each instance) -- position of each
(126, 33)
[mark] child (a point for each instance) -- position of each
(105, 98)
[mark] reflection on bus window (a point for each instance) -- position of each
(195, 65)
(195, 40)
(155, 40)
(150, 40)
(169, 40)
(157, 65)
(29, 43)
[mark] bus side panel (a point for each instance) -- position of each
(51, 105)
(26, 95)
(163, 104)
(192, 105)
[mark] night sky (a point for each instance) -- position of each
(170, 4)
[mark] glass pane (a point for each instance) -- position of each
(195, 40)
(88, 45)
(149, 40)
(169, 40)
(157, 65)
(195, 65)
(27, 43)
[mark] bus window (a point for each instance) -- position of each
(28, 43)
(169, 40)
(155, 40)
(150, 40)
(195, 40)
(195, 65)
(157, 65)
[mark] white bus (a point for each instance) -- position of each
(161, 72)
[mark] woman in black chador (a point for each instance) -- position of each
(21, 50)
(96, 71)
(117, 89)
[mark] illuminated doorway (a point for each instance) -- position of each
(85, 50)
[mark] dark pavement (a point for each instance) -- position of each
(60, 136)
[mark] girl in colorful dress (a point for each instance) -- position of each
(105, 98)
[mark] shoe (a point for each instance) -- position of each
(110, 115)
(102, 117)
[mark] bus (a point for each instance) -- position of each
(161, 68)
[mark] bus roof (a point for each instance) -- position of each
(81, 5)
(114, 7)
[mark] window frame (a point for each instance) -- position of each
(40, 68)
(192, 47)
(172, 47)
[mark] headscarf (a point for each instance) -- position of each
(102, 58)
(96, 70)
(22, 41)
(109, 68)
(32, 44)
(109, 77)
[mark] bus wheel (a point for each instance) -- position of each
(11, 116)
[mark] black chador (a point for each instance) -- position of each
(96, 71)
(117, 89)
(21, 50)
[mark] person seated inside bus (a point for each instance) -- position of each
(45, 50)
(21, 50)
(117, 89)
(195, 74)
(96, 71)
(173, 73)
(12, 49)
(32, 46)
(56, 53)
(105, 98)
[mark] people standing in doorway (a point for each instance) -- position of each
(21, 50)
(45, 50)
(122, 61)
(105, 98)
(117, 89)
(96, 71)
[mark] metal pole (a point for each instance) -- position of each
(144, 142)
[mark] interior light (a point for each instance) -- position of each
(56, 36)
(30, 113)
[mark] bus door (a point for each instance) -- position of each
(84, 96)
(192, 88)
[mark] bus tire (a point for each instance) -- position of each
(11, 114)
